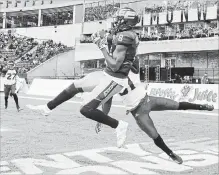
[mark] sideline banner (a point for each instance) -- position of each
(193, 93)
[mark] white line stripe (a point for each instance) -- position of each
(122, 106)
(7, 130)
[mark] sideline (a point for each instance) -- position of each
(120, 106)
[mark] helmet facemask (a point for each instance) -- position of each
(123, 21)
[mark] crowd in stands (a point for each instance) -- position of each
(100, 12)
(48, 19)
(176, 5)
(21, 21)
(43, 52)
(97, 11)
(26, 52)
(17, 45)
(171, 33)
(187, 33)
(58, 18)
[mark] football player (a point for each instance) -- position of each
(10, 81)
(119, 63)
(114, 79)
(139, 104)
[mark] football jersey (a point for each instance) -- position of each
(131, 41)
(10, 77)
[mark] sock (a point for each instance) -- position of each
(100, 117)
(132, 86)
(130, 83)
(160, 143)
(90, 111)
(63, 96)
(6, 101)
(186, 106)
(16, 99)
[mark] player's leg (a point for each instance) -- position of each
(101, 94)
(86, 84)
(106, 89)
(13, 89)
(161, 104)
(145, 122)
(7, 89)
(106, 109)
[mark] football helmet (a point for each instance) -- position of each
(125, 19)
(11, 65)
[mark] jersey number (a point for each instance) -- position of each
(11, 76)
(120, 38)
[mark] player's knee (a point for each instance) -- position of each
(72, 90)
(13, 94)
(85, 110)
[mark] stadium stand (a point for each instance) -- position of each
(62, 19)
(18, 49)
(100, 10)
(12, 47)
(43, 52)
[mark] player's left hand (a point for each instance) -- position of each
(99, 40)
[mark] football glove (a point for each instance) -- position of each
(99, 39)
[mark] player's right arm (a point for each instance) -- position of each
(115, 61)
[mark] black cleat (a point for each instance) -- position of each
(18, 108)
(6, 106)
(208, 107)
(176, 158)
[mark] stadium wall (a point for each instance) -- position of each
(185, 45)
(62, 65)
(193, 93)
(65, 34)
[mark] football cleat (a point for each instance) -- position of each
(176, 158)
(98, 127)
(18, 108)
(121, 131)
(40, 109)
(6, 106)
(208, 107)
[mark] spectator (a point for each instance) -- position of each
(204, 79)
(178, 78)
